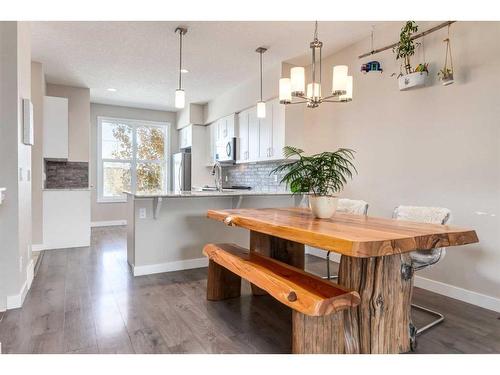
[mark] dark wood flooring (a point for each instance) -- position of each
(86, 301)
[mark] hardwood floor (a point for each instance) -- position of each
(86, 301)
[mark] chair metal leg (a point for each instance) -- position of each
(328, 276)
(440, 318)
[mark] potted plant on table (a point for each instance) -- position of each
(322, 175)
(404, 50)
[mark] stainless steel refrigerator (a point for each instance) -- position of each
(182, 171)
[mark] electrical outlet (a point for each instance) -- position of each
(225, 179)
(275, 178)
(142, 213)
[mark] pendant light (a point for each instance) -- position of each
(294, 87)
(180, 95)
(261, 105)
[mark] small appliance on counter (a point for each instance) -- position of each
(182, 171)
(225, 151)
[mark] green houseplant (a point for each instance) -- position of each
(322, 175)
(404, 50)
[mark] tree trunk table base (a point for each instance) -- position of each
(382, 321)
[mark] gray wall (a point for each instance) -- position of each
(37, 94)
(118, 211)
(15, 157)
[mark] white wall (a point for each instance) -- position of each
(118, 211)
(15, 164)
(38, 88)
(244, 95)
(436, 146)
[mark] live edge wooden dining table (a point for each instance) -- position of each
(374, 261)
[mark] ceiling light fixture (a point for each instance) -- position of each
(111, 89)
(261, 105)
(180, 95)
(184, 71)
(294, 87)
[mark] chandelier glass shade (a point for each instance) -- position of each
(311, 94)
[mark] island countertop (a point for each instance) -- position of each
(205, 194)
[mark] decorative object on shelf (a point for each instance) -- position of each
(261, 105)
(372, 66)
(294, 87)
(404, 50)
(323, 175)
(446, 74)
(180, 94)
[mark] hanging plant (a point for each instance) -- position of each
(404, 50)
(406, 46)
(446, 73)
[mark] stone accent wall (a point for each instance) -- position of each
(256, 175)
(66, 174)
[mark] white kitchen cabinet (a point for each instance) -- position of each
(266, 135)
(253, 136)
(55, 127)
(66, 218)
(186, 137)
(243, 135)
(218, 131)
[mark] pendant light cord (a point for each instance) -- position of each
(261, 75)
(180, 59)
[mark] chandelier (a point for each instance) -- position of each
(294, 87)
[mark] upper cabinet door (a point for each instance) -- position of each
(186, 137)
(55, 127)
(253, 136)
(243, 154)
(266, 136)
(278, 111)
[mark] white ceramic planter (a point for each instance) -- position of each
(323, 207)
(412, 80)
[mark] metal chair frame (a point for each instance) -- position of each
(439, 317)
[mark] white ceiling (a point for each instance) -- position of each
(140, 59)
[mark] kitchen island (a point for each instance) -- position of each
(167, 231)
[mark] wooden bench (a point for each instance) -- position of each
(320, 322)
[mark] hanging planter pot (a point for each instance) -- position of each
(446, 74)
(412, 80)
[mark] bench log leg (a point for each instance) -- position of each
(222, 283)
(322, 334)
(289, 252)
(382, 320)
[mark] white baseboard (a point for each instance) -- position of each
(110, 223)
(16, 301)
(170, 266)
(38, 247)
(464, 295)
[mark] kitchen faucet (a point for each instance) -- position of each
(217, 173)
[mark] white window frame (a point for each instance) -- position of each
(133, 162)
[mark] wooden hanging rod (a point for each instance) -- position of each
(416, 36)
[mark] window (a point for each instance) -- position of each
(132, 155)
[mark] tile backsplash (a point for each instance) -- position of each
(256, 175)
(66, 174)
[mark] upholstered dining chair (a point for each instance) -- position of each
(421, 259)
(349, 206)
